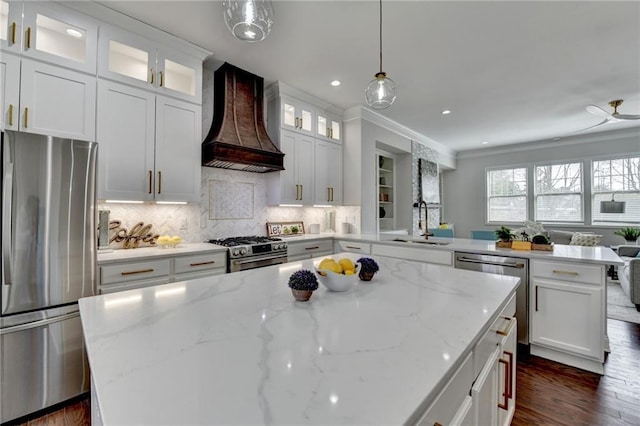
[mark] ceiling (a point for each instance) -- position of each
(510, 72)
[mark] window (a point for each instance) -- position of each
(507, 195)
(558, 193)
(617, 179)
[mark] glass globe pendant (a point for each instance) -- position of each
(248, 20)
(381, 91)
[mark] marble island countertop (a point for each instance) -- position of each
(237, 348)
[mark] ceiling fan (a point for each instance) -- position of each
(613, 117)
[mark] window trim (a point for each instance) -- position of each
(526, 195)
(593, 193)
(583, 215)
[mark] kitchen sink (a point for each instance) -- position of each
(429, 242)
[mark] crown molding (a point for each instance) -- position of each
(610, 135)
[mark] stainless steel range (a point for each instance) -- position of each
(253, 252)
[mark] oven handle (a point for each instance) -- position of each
(279, 259)
(485, 262)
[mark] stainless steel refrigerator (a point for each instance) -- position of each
(48, 263)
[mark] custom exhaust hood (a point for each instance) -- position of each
(238, 139)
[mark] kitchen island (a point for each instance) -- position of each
(237, 348)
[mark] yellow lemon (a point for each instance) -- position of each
(346, 264)
(349, 272)
(334, 267)
(325, 262)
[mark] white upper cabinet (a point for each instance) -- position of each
(134, 60)
(297, 116)
(328, 173)
(11, 25)
(294, 185)
(149, 145)
(47, 100)
(329, 127)
(59, 36)
(9, 91)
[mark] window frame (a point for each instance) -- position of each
(487, 197)
(594, 193)
(534, 202)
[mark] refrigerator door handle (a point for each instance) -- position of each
(40, 323)
(7, 219)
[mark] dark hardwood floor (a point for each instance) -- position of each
(547, 393)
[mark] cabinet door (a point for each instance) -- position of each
(57, 102)
(9, 91)
(328, 127)
(126, 125)
(328, 173)
(60, 36)
(289, 188)
(567, 316)
(179, 76)
(126, 58)
(507, 376)
(484, 393)
(11, 25)
(297, 116)
(177, 150)
(305, 167)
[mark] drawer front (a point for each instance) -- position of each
(312, 248)
(448, 402)
(355, 247)
(200, 274)
(494, 336)
(440, 257)
(567, 271)
(134, 271)
(200, 262)
(116, 287)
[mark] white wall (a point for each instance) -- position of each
(464, 187)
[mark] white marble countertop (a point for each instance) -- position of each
(142, 253)
(237, 348)
(599, 254)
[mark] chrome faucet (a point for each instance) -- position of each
(424, 230)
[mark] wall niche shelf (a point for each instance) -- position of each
(386, 187)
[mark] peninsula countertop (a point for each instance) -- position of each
(237, 348)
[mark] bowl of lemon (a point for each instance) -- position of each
(167, 241)
(340, 275)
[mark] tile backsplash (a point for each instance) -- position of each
(195, 222)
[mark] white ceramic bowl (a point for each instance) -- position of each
(337, 282)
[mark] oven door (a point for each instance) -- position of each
(254, 262)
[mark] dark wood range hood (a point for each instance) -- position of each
(238, 139)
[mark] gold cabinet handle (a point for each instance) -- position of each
(301, 122)
(141, 271)
(150, 180)
(301, 192)
(161, 79)
(331, 194)
(297, 122)
(510, 382)
(507, 379)
(26, 117)
(28, 41)
(202, 263)
(561, 272)
(153, 76)
(312, 248)
(536, 289)
(13, 33)
(353, 247)
(328, 194)
(10, 119)
(507, 328)
(328, 134)
(159, 182)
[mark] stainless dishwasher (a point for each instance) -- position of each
(501, 265)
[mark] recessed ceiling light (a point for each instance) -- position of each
(335, 83)
(484, 142)
(74, 33)
(446, 112)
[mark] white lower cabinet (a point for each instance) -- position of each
(484, 392)
(351, 246)
(149, 145)
(567, 321)
(507, 374)
(131, 274)
(440, 257)
(302, 250)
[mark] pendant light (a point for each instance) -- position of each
(248, 20)
(381, 91)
